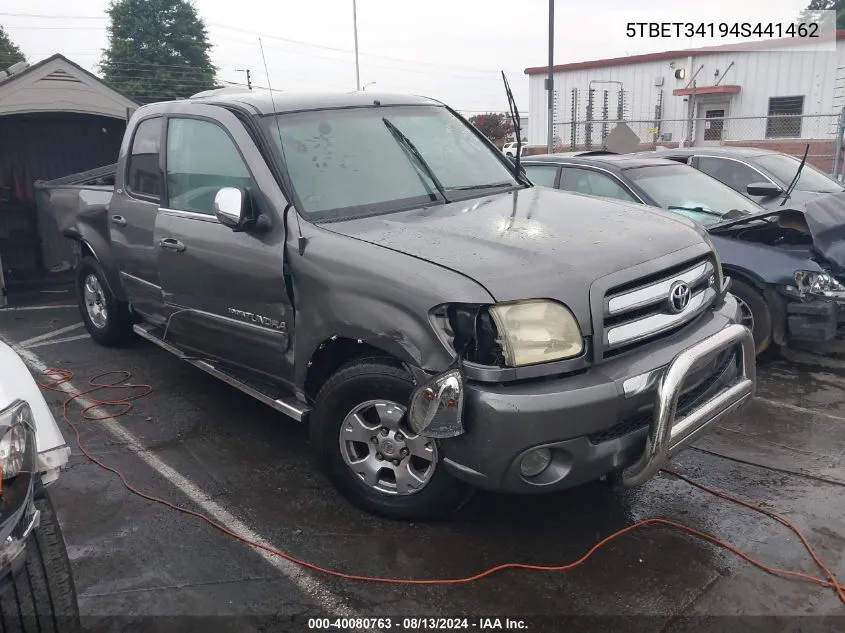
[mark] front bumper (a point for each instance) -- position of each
(631, 414)
(817, 320)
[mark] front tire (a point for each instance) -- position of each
(42, 596)
(756, 315)
(108, 320)
(360, 432)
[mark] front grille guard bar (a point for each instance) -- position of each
(669, 435)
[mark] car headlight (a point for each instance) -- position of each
(810, 282)
(16, 431)
(536, 331)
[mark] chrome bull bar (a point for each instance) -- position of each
(669, 435)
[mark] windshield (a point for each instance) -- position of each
(783, 167)
(686, 190)
(358, 161)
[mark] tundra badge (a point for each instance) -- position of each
(257, 319)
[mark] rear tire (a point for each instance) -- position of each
(355, 387)
(42, 595)
(756, 313)
(108, 320)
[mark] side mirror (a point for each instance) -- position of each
(764, 189)
(229, 207)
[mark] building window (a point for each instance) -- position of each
(784, 117)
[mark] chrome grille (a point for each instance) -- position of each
(639, 313)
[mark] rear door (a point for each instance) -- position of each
(735, 174)
(543, 175)
(594, 182)
(132, 216)
(225, 290)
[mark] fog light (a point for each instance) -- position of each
(535, 462)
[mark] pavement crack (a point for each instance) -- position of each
(691, 602)
(757, 438)
(185, 585)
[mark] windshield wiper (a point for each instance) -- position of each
(405, 142)
(514, 113)
(789, 189)
(490, 185)
(696, 210)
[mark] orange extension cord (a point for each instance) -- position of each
(124, 405)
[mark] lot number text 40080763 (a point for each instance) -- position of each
(418, 624)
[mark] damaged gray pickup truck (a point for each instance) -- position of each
(371, 266)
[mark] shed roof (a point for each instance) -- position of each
(57, 84)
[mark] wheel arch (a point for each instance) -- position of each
(336, 351)
(92, 245)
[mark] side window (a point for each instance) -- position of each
(543, 175)
(593, 183)
(201, 159)
(143, 177)
(735, 175)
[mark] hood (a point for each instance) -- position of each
(825, 216)
(530, 243)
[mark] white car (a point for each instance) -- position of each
(509, 149)
(36, 584)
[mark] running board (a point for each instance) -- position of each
(288, 405)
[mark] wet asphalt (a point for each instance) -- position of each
(133, 559)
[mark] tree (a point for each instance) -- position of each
(158, 50)
(9, 52)
(494, 125)
(825, 5)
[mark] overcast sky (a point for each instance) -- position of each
(452, 50)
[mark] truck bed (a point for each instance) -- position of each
(78, 203)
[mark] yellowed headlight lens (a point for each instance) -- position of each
(537, 331)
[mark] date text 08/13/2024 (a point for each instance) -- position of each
(804, 30)
(418, 624)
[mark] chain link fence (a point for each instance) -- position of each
(783, 133)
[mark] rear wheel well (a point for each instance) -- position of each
(333, 354)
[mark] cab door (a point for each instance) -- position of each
(132, 217)
(224, 290)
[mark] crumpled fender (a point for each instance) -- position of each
(760, 262)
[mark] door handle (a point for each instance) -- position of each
(119, 220)
(170, 244)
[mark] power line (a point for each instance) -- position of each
(57, 17)
(487, 77)
(245, 31)
(349, 51)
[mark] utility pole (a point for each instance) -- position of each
(248, 76)
(550, 80)
(355, 28)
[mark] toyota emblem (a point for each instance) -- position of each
(679, 296)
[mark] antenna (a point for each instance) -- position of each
(301, 240)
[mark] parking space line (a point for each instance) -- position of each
(58, 306)
(797, 409)
(55, 341)
(304, 580)
(49, 335)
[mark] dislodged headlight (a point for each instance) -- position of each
(536, 331)
(16, 424)
(810, 282)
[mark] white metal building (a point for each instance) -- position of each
(764, 96)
